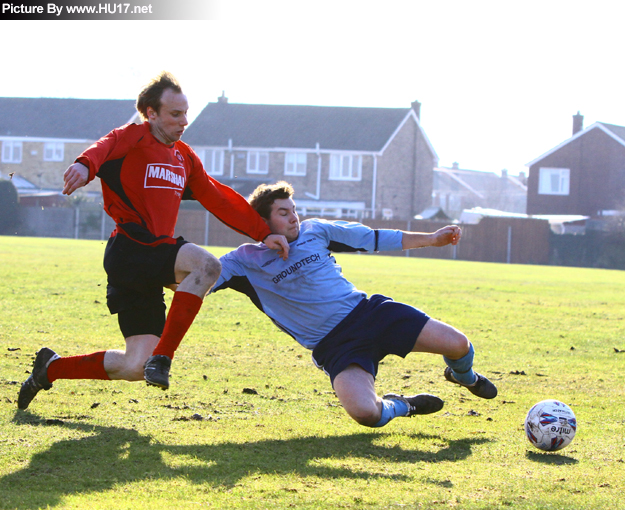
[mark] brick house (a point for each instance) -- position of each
(41, 137)
(342, 161)
(583, 175)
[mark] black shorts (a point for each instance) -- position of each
(378, 326)
(137, 274)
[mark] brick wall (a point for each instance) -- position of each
(405, 174)
(396, 175)
(597, 179)
(47, 174)
(424, 180)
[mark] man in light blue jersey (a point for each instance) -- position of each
(308, 297)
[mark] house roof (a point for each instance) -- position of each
(293, 126)
(612, 130)
(79, 119)
(473, 182)
(475, 214)
(618, 131)
(432, 213)
(19, 182)
(453, 179)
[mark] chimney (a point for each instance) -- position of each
(578, 123)
(222, 99)
(416, 106)
(454, 166)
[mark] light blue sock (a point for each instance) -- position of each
(391, 409)
(462, 369)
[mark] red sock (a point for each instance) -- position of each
(86, 366)
(184, 307)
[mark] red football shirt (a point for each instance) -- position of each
(143, 181)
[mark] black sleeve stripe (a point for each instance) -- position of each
(337, 247)
(343, 248)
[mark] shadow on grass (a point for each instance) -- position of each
(550, 458)
(112, 456)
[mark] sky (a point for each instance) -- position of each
(499, 81)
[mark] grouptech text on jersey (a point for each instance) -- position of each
(294, 267)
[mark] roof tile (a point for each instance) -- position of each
(45, 117)
(293, 126)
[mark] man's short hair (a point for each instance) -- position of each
(151, 94)
(263, 197)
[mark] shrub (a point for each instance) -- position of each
(9, 204)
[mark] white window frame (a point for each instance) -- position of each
(295, 163)
(257, 162)
(212, 160)
(345, 167)
(53, 151)
(11, 151)
(554, 181)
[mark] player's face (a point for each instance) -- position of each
(284, 219)
(168, 124)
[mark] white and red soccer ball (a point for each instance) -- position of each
(550, 425)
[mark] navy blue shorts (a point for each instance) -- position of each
(376, 327)
(137, 274)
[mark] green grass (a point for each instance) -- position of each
(539, 332)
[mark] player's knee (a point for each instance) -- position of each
(211, 268)
(459, 346)
(203, 267)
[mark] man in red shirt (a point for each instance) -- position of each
(146, 170)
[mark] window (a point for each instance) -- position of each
(295, 163)
(213, 160)
(345, 167)
(53, 151)
(11, 152)
(553, 181)
(257, 162)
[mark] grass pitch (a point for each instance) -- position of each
(249, 422)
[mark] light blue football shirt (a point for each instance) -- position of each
(306, 295)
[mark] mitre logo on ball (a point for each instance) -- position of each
(550, 425)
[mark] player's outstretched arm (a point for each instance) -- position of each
(442, 237)
(76, 176)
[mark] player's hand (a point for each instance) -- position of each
(450, 234)
(76, 176)
(279, 243)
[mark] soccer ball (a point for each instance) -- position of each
(550, 425)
